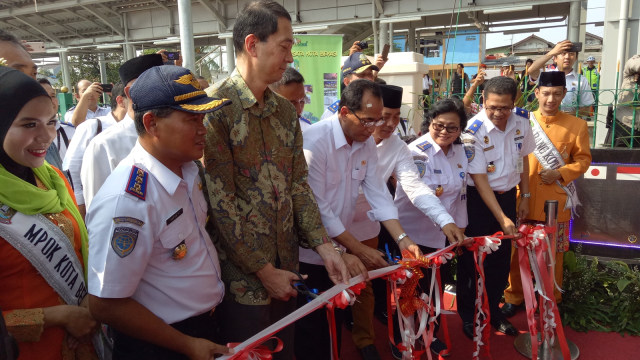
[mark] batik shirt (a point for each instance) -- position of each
(262, 207)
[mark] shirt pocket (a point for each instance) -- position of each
(359, 174)
(178, 231)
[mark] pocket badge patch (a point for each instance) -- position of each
(124, 240)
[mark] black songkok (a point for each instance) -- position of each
(132, 69)
(552, 78)
(391, 96)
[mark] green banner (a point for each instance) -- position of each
(317, 58)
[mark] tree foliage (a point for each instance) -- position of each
(87, 66)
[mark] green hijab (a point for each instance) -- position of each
(29, 199)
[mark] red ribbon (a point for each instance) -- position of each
(534, 243)
(260, 352)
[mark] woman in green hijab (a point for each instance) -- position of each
(43, 239)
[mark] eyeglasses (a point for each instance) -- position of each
(370, 123)
(499, 109)
(439, 127)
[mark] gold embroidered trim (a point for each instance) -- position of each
(189, 95)
(208, 106)
(26, 325)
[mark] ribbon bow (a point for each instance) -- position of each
(260, 352)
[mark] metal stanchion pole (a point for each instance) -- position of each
(548, 349)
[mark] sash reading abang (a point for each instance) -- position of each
(550, 159)
(49, 251)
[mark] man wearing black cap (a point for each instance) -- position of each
(357, 66)
(261, 203)
(107, 149)
(565, 139)
(154, 273)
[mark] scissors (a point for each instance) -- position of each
(302, 288)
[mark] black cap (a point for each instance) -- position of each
(357, 63)
(174, 87)
(391, 96)
(552, 78)
(131, 69)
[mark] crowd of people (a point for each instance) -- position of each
(182, 215)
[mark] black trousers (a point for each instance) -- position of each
(126, 347)
(312, 340)
(496, 264)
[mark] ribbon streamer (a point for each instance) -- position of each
(532, 248)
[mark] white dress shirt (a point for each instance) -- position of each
(72, 161)
(435, 169)
(394, 157)
(173, 211)
(100, 111)
(103, 154)
(487, 145)
(336, 171)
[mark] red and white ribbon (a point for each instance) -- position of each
(532, 248)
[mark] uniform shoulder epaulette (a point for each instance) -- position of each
(473, 128)
(424, 146)
(522, 112)
(305, 120)
(334, 107)
(71, 108)
(137, 184)
(62, 122)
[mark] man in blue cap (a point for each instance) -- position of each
(155, 276)
(357, 66)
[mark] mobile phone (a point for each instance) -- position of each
(106, 87)
(576, 47)
(34, 46)
(491, 73)
(385, 51)
(173, 55)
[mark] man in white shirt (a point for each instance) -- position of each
(88, 94)
(84, 133)
(565, 54)
(155, 276)
(497, 142)
(427, 83)
(107, 149)
(341, 155)
(291, 87)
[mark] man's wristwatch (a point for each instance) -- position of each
(402, 236)
(525, 195)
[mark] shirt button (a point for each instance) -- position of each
(548, 126)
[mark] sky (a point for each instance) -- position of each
(595, 12)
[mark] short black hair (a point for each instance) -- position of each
(461, 65)
(529, 61)
(453, 105)
(259, 18)
(159, 112)
(500, 85)
(9, 37)
(118, 90)
(289, 76)
(44, 81)
(352, 95)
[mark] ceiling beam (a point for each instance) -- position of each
(117, 29)
(37, 28)
(70, 29)
(215, 12)
(379, 6)
(348, 41)
(50, 6)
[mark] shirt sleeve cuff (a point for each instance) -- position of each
(383, 214)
